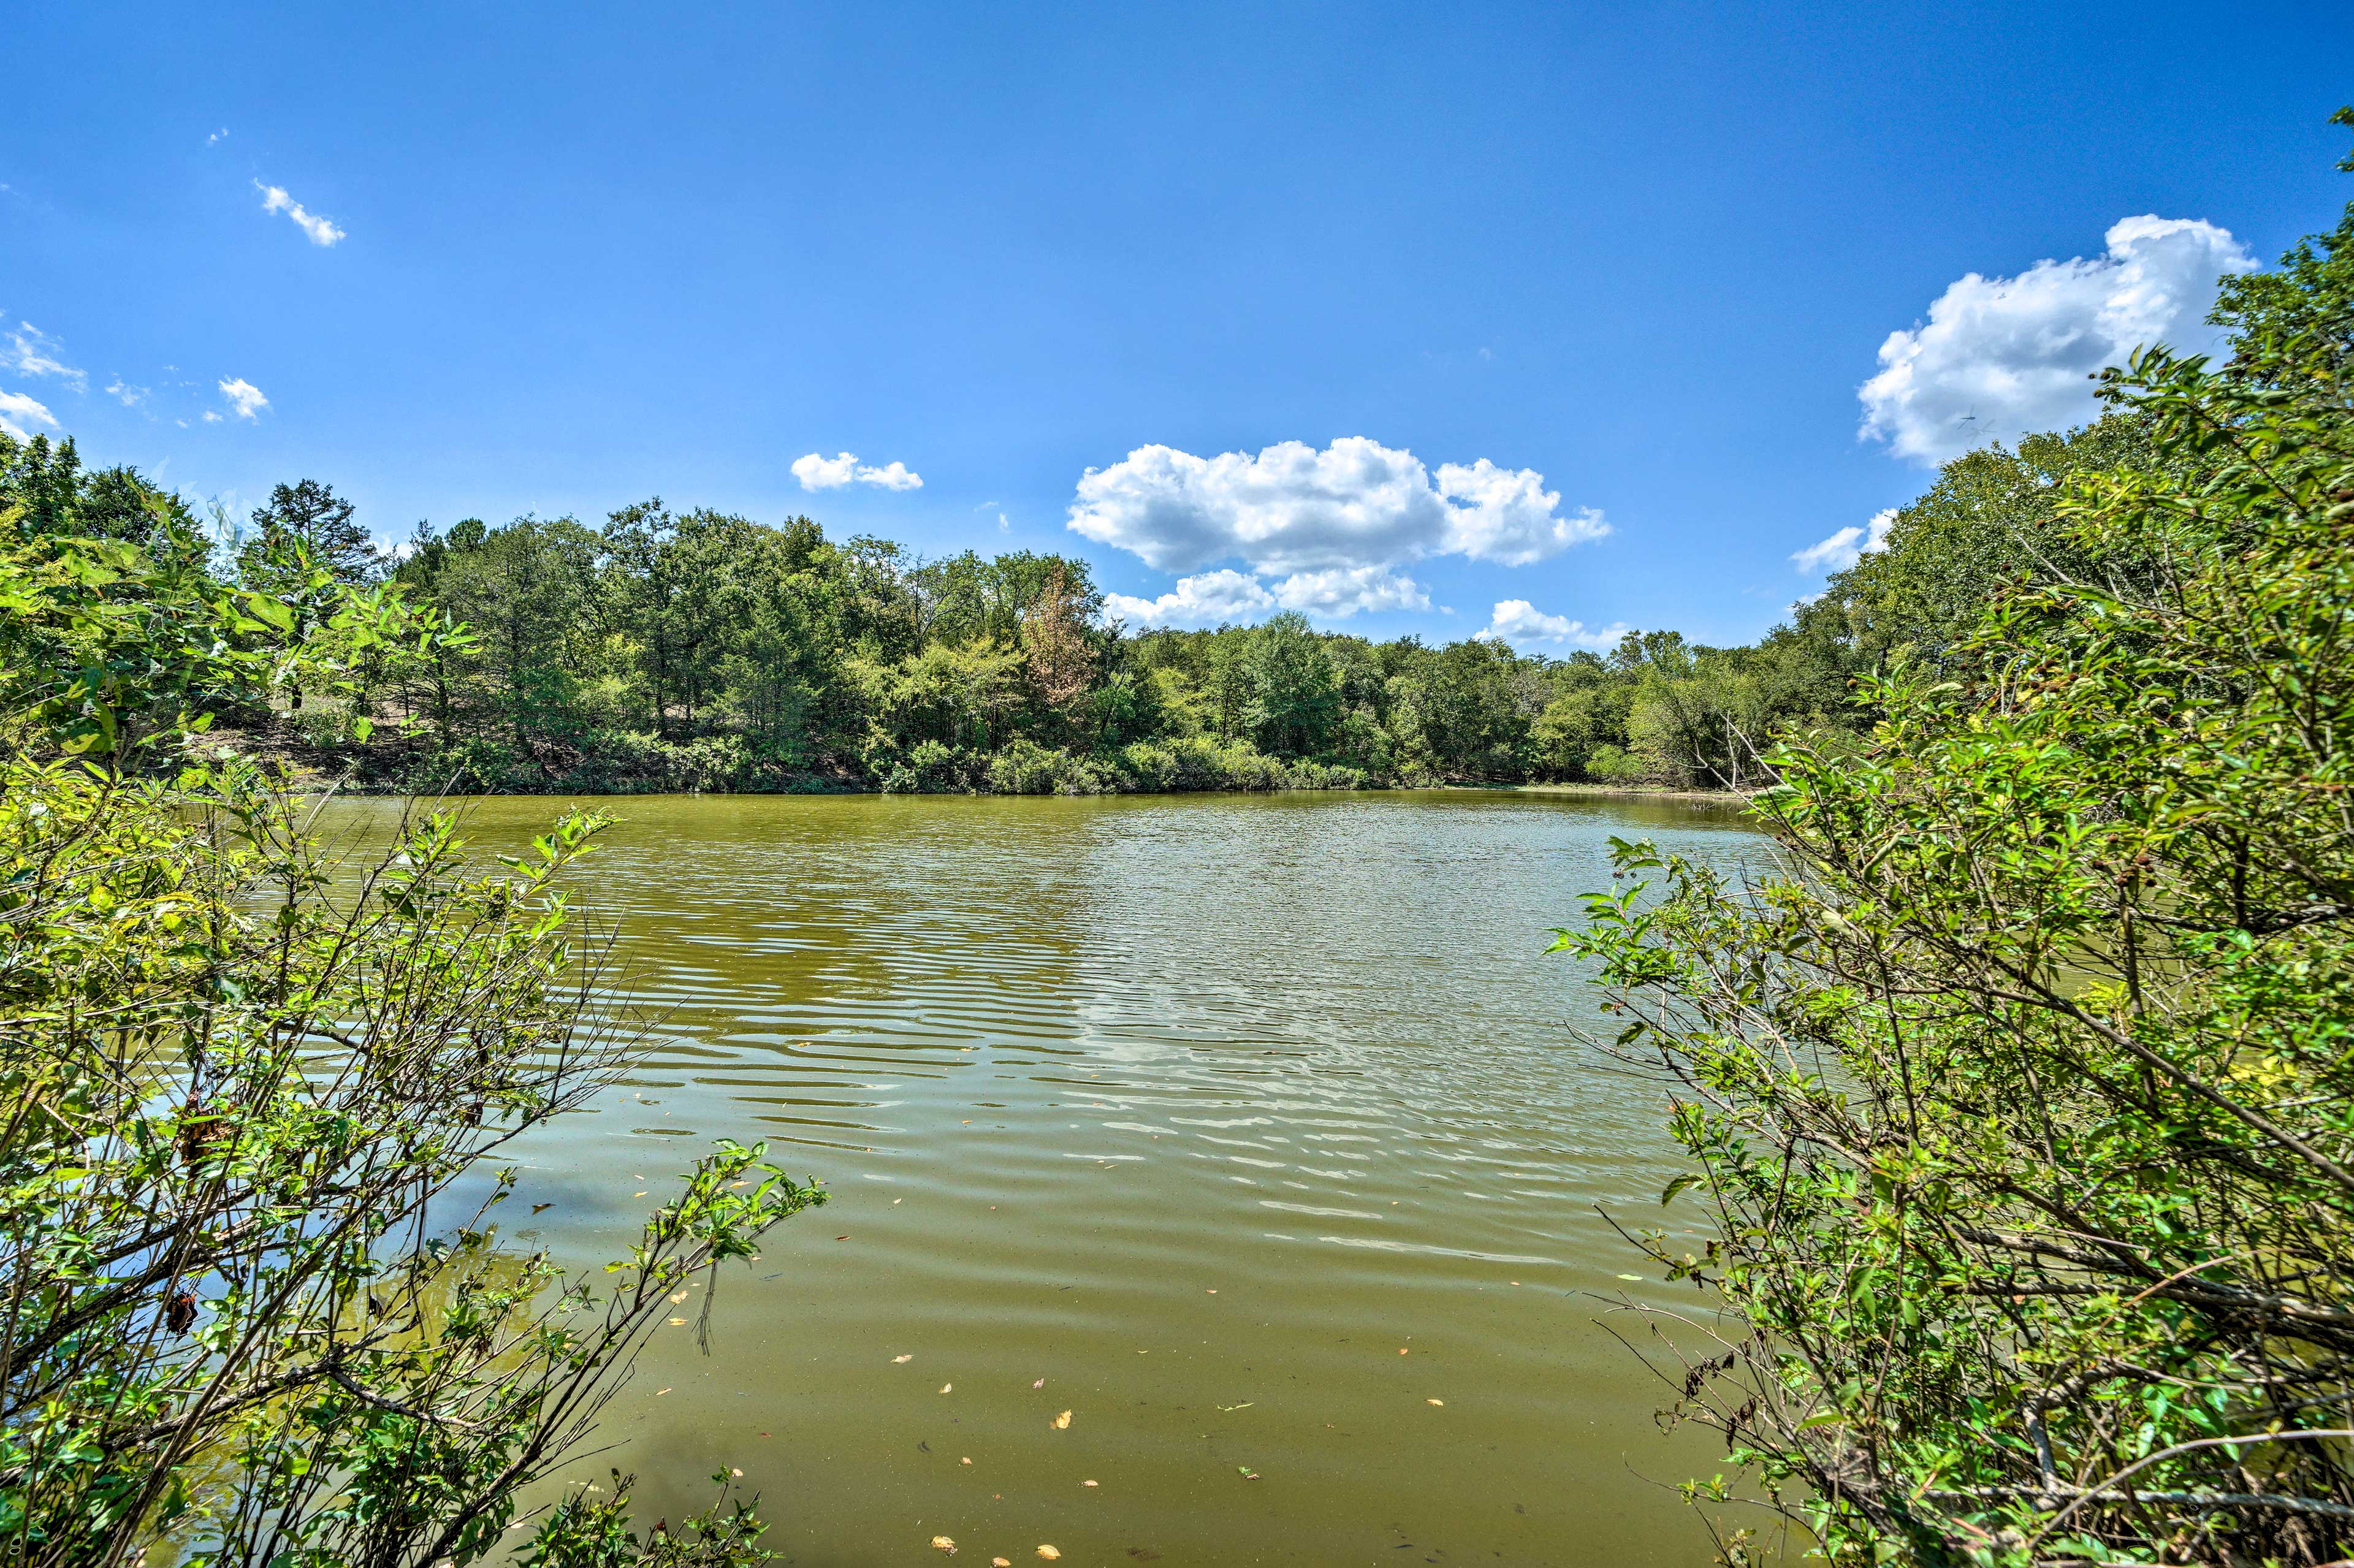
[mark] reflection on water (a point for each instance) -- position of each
(1249, 1124)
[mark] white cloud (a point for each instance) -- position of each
(1293, 509)
(17, 411)
(1842, 549)
(32, 351)
(818, 473)
(1341, 591)
(275, 199)
(2001, 357)
(1209, 598)
(1509, 516)
(128, 396)
(217, 137)
(892, 477)
(1215, 598)
(1521, 623)
(245, 398)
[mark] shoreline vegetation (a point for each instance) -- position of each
(697, 652)
(2016, 1093)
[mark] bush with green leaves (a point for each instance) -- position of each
(2020, 1090)
(244, 1079)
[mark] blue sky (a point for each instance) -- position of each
(1404, 311)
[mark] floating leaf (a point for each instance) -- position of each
(898, 1360)
(1086, 1483)
(1246, 1472)
(1636, 1278)
(1433, 1402)
(1048, 1553)
(942, 1543)
(678, 1322)
(946, 1386)
(1063, 1422)
(1040, 1384)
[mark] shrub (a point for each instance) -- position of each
(1144, 766)
(1608, 764)
(1022, 767)
(242, 1081)
(939, 770)
(2020, 1100)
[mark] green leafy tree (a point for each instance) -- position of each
(2019, 1098)
(677, 593)
(1295, 692)
(528, 594)
(1991, 522)
(305, 522)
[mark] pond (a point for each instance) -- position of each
(1255, 1127)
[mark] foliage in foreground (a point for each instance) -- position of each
(2021, 1096)
(245, 1086)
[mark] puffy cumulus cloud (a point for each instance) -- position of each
(1226, 596)
(33, 351)
(817, 472)
(892, 476)
(1847, 547)
(244, 399)
(275, 199)
(1294, 509)
(123, 392)
(1340, 592)
(19, 413)
(1207, 599)
(1508, 515)
(2001, 357)
(1523, 625)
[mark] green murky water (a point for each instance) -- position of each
(1201, 1109)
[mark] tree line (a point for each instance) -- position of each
(703, 650)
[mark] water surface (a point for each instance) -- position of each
(1202, 1109)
